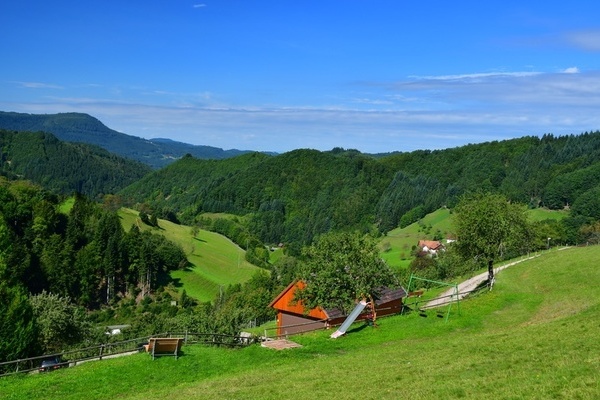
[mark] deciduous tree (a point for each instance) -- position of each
(488, 227)
(60, 322)
(342, 268)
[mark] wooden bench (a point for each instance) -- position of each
(164, 347)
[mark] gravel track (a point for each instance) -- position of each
(464, 288)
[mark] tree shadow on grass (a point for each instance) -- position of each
(165, 280)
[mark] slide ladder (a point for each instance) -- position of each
(349, 320)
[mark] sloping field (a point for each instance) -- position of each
(535, 336)
(397, 244)
(217, 261)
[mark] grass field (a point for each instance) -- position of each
(540, 214)
(535, 336)
(217, 261)
(400, 241)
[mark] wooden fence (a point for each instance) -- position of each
(71, 358)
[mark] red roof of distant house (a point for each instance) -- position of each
(430, 244)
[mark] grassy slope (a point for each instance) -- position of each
(540, 214)
(534, 336)
(216, 260)
(401, 240)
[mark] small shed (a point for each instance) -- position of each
(293, 317)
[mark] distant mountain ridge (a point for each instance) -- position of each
(83, 128)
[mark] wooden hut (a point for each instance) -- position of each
(292, 317)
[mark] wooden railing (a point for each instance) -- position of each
(71, 358)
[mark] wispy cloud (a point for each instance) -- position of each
(588, 40)
(38, 85)
(566, 88)
(199, 5)
(476, 76)
(415, 113)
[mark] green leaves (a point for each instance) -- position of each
(60, 323)
(17, 327)
(488, 227)
(342, 268)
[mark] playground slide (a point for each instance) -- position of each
(349, 320)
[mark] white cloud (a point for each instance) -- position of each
(372, 101)
(38, 85)
(567, 88)
(417, 113)
(199, 5)
(475, 76)
(586, 40)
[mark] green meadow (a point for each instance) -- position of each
(534, 336)
(216, 261)
(540, 214)
(398, 244)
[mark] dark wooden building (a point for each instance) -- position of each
(292, 317)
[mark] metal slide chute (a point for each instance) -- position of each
(349, 320)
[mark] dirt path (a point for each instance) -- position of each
(467, 286)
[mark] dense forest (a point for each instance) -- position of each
(82, 254)
(65, 167)
(296, 196)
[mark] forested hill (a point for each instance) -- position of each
(78, 127)
(64, 167)
(294, 196)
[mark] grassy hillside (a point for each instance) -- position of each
(534, 336)
(397, 245)
(540, 214)
(216, 260)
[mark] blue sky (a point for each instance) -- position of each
(377, 76)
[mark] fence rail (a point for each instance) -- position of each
(71, 358)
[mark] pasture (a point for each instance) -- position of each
(534, 336)
(397, 245)
(216, 261)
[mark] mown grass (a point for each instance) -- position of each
(534, 336)
(216, 261)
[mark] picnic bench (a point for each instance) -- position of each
(164, 347)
